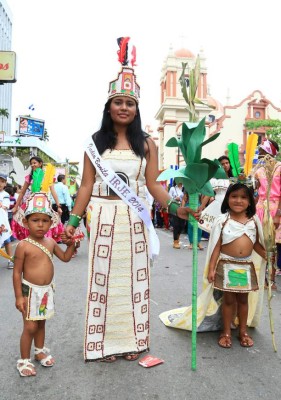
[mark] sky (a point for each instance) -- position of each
(67, 54)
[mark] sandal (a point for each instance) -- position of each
(245, 340)
(109, 359)
(25, 365)
(46, 361)
(131, 357)
(225, 341)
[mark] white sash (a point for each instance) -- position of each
(124, 192)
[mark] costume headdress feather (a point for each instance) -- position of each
(123, 52)
(37, 178)
(233, 155)
(48, 177)
(125, 84)
(5, 255)
(250, 152)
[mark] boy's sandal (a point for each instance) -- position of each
(46, 361)
(131, 357)
(245, 340)
(25, 365)
(225, 341)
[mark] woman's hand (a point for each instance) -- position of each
(15, 209)
(183, 212)
(59, 210)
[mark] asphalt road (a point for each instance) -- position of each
(233, 373)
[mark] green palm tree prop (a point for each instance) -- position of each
(195, 175)
(4, 113)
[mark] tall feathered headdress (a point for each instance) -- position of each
(125, 84)
(233, 155)
(250, 153)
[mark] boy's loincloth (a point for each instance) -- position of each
(40, 300)
(235, 275)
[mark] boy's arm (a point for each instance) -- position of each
(17, 275)
(64, 255)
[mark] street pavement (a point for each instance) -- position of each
(249, 374)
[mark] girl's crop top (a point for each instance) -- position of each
(233, 230)
(129, 167)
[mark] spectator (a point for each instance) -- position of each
(64, 198)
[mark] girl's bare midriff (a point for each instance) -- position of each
(240, 247)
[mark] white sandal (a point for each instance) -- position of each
(45, 360)
(23, 364)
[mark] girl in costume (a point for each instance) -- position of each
(268, 176)
(234, 236)
(37, 181)
(120, 159)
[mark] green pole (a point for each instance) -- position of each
(194, 205)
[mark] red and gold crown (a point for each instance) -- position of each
(125, 84)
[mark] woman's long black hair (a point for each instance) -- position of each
(106, 138)
(229, 173)
(251, 210)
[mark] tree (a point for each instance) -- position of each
(4, 113)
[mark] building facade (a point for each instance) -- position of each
(229, 120)
(173, 112)
(5, 45)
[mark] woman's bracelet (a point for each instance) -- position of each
(173, 206)
(74, 220)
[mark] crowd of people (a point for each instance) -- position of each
(119, 188)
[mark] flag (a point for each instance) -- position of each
(31, 107)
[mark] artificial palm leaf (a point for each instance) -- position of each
(37, 178)
(48, 180)
(233, 155)
(250, 152)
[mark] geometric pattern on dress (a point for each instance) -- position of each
(146, 294)
(99, 346)
(106, 230)
(92, 329)
(103, 251)
(142, 274)
(96, 312)
(100, 279)
(144, 309)
(137, 297)
(94, 296)
(139, 247)
(102, 299)
(138, 227)
(91, 346)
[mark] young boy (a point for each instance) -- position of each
(5, 239)
(33, 280)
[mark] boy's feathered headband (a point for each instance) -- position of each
(125, 84)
